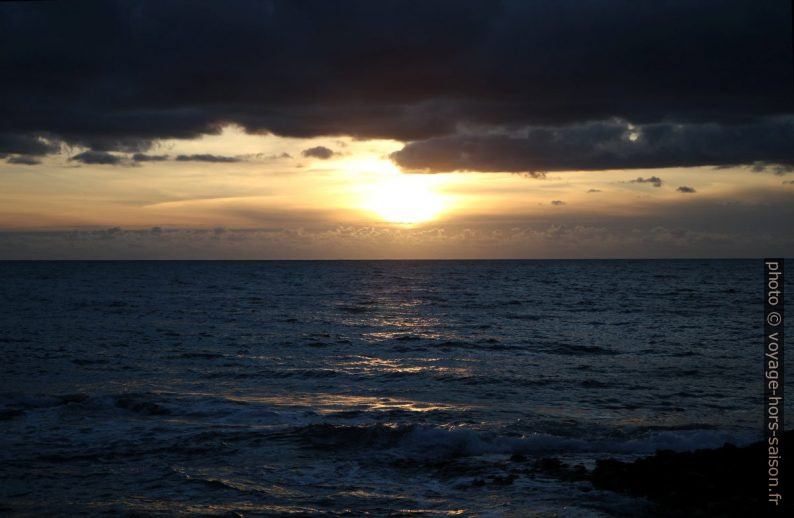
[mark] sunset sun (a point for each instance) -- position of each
(406, 199)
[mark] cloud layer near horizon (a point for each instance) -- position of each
(476, 85)
(526, 242)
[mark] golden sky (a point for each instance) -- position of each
(357, 203)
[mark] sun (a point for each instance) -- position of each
(407, 199)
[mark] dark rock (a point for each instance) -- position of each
(726, 481)
(517, 457)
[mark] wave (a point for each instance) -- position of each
(424, 442)
(143, 404)
(24, 402)
(568, 349)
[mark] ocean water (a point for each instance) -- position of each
(270, 388)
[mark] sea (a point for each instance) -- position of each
(364, 388)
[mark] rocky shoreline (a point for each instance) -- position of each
(726, 481)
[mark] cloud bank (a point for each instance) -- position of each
(483, 85)
(608, 145)
(366, 242)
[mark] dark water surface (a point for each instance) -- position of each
(379, 387)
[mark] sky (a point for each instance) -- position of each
(396, 129)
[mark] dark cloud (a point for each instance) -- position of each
(97, 157)
(111, 143)
(202, 157)
(612, 144)
(655, 180)
(686, 189)
(142, 157)
(778, 169)
(25, 144)
(557, 202)
(206, 158)
(321, 152)
(116, 76)
(593, 190)
(23, 160)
